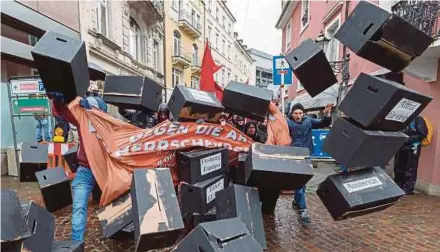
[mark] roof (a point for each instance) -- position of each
(229, 11)
(260, 53)
(286, 13)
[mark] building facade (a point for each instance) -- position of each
(422, 75)
(262, 72)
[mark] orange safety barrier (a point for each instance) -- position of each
(55, 156)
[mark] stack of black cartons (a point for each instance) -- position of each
(33, 158)
(376, 110)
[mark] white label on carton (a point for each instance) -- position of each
(201, 96)
(211, 163)
(362, 184)
(210, 192)
(403, 110)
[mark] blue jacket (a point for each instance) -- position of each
(301, 133)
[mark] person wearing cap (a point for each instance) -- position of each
(300, 129)
(239, 123)
(163, 113)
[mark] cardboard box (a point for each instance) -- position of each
(199, 165)
(133, 92)
(62, 65)
(352, 146)
(380, 104)
(306, 61)
(197, 218)
(156, 214)
(116, 216)
(350, 194)
(268, 198)
(41, 223)
(242, 202)
(277, 167)
(187, 104)
(13, 225)
(200, 197)
(68, 246)
(96, 194)
(219, 236)
(55, 188)
(381, 37)
(246, 100)
(33, 158)
(70, 157)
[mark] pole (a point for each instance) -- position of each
(282, 97)
(164, 51)
(14, 137)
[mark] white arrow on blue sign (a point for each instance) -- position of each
(281, 72)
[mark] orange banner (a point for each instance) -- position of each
(114, 148)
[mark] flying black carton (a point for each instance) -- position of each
(33, 158)
(55, 188)
(116, 216)
(41, 223)
(70, 157)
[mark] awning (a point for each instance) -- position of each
(96, 72)
(327, 96)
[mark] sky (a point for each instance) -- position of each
(258, 31)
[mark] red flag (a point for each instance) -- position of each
(209, 68)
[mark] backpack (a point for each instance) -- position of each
(428, 139)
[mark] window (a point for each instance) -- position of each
(176, 77)
(216, 13)
(209, 5)
(176, 44)
(229, 28)
(216, 41)
(229, 50)
(305, 16)
(288, 34)
(208, 36)
(223, 77)
(235, 77)
(223, 47)
(174, 4)
(135, 40)
(195, 55)
(195, 82)
(332, 50)
(103, 17)
(33, 40)
(156, 55)
(229, 77)
(224, 21)
(193, 18)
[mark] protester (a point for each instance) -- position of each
(222, 119)
(42, 128)
(406, 161)
(262, 129)
(250, 129)
(300, 128)
(239, 123)
(139, 118)
(73, 134)
(84, 181)
(231, 120)
(163, 113)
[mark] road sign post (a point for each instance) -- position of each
(282, 75)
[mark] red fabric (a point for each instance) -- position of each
(209, 68)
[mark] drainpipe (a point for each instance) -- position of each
(164, 50)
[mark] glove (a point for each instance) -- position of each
(56, 96)
(85, 104)
(200, 121)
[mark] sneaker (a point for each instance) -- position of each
(305, 218)
(294, 205)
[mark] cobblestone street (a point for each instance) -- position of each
(411, 225)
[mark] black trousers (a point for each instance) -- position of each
(406, 163)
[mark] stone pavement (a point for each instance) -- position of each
(411, 225)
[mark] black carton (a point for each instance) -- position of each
(13, 224)
(353, 146)
(33, 158)
(41, 223)
(242, 202)
(306, 61)
(116, 216)
(380, 104)
(187, 104)
(199, 165)
(156, 214)
(133, 92)
(70, 157)
(62, 65)
(96, 194)
(269, 198)
(55, 188)
(197, 218)
(382, 37)
(219, 236)
(246, 100)
(68, 246)
(277, 167)
(200, 197)
(350, 194)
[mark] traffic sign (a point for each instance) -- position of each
(27, 86)
(281, 72)
(30, 105)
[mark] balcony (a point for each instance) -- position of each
(158, 6)
(423, 15)
(189, 23)
(196, 67)
(181, 57)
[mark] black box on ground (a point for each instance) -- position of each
(350, 194)
(187, 104)
(70, 157)
(55, 188)
(62, 65)
(277, 167)
(13, 224)
(382, 37)
(242, 202)
(219, 236)
(41, 223)
(380, 104)
(156, 214)
(133, 92)
(353, 146)
(68, 246)
(199, 165)
(306, 61)
(116, 216)
(197, 218)
(268, 198)
(246, 100)
(199, 197)
(33, 158)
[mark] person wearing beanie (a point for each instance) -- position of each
(300, 130)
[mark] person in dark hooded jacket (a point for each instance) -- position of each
(251, 130)
(139, 118)
(240, 123)
(164, 113)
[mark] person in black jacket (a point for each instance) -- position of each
(139, 118)
(251, 130)
(406, 160)
(262, 129)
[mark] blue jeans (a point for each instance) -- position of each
(43, 128)
(82, 187)
(300, 198)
